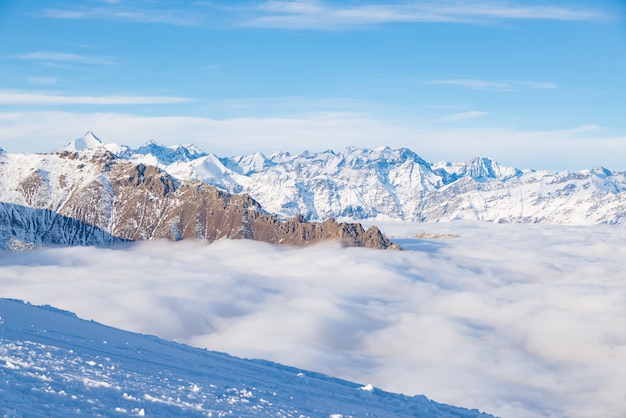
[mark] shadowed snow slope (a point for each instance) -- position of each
(55, 364)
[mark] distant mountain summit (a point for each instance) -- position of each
(89, 140)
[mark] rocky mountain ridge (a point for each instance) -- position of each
(396, 184)
(90, 196)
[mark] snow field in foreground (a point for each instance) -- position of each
(53, 364)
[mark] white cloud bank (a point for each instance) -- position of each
(53, 56)
(517, 320)
(566, 149)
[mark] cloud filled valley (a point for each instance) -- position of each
(516, 320)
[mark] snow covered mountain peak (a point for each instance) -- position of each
(169, 154)
(89, 140)
(601, 172)
(486, 168)
(479, 169)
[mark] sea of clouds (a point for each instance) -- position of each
(516, 320)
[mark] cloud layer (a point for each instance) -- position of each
(26, 98)
(566, 149)
(520, 321)
(503, 86)
(312, 14)
(326, 15)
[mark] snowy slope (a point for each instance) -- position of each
(54, 364)
(397, 184)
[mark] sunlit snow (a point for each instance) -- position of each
(53, 364)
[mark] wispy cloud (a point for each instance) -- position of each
(313, 14)
(472, 114)
(43, 80)
(51, 56)
(517, 320)
(20, 98)
(507, 85)
(117, 12)
(325, 15)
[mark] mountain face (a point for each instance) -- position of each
(90, 196)
(397, 184)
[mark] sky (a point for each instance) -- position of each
(521, 321)
(531, 84)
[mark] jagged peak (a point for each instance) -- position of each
(87, 141)
(90, 136)
(307, 154)
(486, 168)
(192, 148)
(383, 154)
(408, 154)
(169, 154)
(279, 154)
(253, 163)
(601, 171)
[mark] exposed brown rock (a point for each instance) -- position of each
(139, 202)
(34, 189)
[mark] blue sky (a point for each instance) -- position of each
(532, 84)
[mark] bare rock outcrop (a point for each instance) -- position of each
(150, 204)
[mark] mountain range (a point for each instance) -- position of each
(85, 195)
(384, 183)
(88, 192)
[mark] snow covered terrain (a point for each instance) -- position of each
(521, 321)
(397, 184)
(53, 364)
